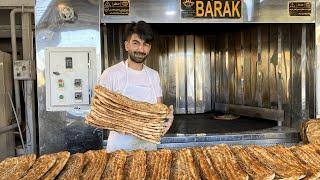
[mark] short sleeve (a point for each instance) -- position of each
(106, 80)
(158, 89)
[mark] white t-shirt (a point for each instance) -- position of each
(114, 78)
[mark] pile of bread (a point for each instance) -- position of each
(116, 112)
(310, 131)
(217, 162)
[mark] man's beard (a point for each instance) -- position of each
(137, 57)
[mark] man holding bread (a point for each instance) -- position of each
(135, 80)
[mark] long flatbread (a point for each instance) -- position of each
(62, 158)
(16, 167)
(102, 108)
(96, 162)
(112, 126)
(225, 162)
(183, 166)
(115, 166)
(288, 156)
(135, 166)
(113, 105)
(204, 164)
(309, 156)
(128, 121)
(282, 168)
(73, 168)
(40, 167)
(252, 166)
(127, 102)
(159, 164)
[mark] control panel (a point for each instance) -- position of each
(24, 70)
(69, 78)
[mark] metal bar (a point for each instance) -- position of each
(311, 68)
(17, 122)
(225, 59)
(30, 100)
(190, 73)
(273, 62)
(231, 67)
(257, 112)
(303, 72)
(17, 3)
(279, 72)
(254, 62)
(27, 47)
(180, 75)
(265, 66)
(212, 70)
(8, 128)
(105, 48)
(207, 76)
(259, 68)
(286, 69)
(247, 69)
(200, 74)
(317, 60)
(296, 74)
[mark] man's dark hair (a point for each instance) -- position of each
(141, 28)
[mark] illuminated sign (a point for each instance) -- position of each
(116, 7)
(210, 8)
(300, 8)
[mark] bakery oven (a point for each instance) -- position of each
(235, 81)
(236, 71)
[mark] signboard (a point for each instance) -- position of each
(300, 8)
(116, 7)
(210, 8)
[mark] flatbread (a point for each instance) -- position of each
(282, 168)
(96, 162)
(16, 167)
(108, 103)
(115, 166)
(73, 168)
(225, 162)
(62, 158)
(40, 167)
(183, 166)
(99, 106)
(135, 166)
(105, 125)
(252, 166)
(127, 102)
(204, 164)
(143, 127)
(158, 164)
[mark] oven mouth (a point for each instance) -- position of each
(206, 123)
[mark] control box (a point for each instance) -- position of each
(24, 70)
(69, 78)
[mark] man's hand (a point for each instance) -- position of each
(169, 121)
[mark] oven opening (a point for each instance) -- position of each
(237, 83)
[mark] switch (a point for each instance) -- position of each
(68, 62)
(78, 96)
(77, 83)
(61, 97)
(60, 83)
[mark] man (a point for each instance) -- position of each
(135, 80)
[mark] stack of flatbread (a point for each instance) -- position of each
(310, 131)
(116, 112)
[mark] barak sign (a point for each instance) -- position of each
(211, 8)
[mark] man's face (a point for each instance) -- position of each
(137, 49)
